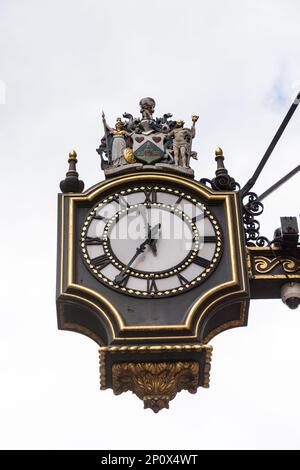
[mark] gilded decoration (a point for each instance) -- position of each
(156, 383)
(147, 140)
(146, 349)
(265, 265)
(147, 162)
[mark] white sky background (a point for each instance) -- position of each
(236, 64)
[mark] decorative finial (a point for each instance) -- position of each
(73, 155)
(220, 162)
(71, 184)
(223, 181)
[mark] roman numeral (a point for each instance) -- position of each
(151, 196)
(100, 217)
(122, 201)
(124, 281)
(179, 199)
(93, 241)
(203, 262)
(209, 239)
(151, 286)
(182, 279)
(101, 261)
(198, 217)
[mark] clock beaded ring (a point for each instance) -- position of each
(152, 279)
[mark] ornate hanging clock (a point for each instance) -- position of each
(152, 264)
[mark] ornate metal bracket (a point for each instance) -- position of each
(140, 369)
(251, 206)
(156, 383)
(270, 268)
(251, 209)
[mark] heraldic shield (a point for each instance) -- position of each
(148, 148)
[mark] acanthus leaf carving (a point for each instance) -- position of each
(156, 383)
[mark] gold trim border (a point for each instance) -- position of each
(156, 348)
(256, 253)
(228, 325)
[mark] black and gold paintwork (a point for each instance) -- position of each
(270, 268)
(110, 317)
(155, 342)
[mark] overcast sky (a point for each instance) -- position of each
(236, 64)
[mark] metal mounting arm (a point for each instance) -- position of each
(271, 147)
(279, 183)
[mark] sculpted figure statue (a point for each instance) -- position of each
(117, 142)
(147, 108)
(182, 143)
(146, 139)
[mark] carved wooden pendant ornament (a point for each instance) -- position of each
(152, 263)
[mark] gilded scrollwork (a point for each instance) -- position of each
(265, 265)
(156, 383)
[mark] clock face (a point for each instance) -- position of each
(151, 241)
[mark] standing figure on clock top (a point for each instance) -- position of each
(118, 139)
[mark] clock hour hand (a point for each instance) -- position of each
(153, 246)
(122, 275)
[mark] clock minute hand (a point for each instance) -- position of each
(142, 211)
(145, 214)
(153, 231)
(121, 276)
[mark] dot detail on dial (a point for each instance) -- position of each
(152, 280)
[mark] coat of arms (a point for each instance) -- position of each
(147, 140)
(148, 148)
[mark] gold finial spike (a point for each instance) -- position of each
(72, 155)
(219, 152)
(71, 183)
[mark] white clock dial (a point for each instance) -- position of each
(173, 240)
(151, 241)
